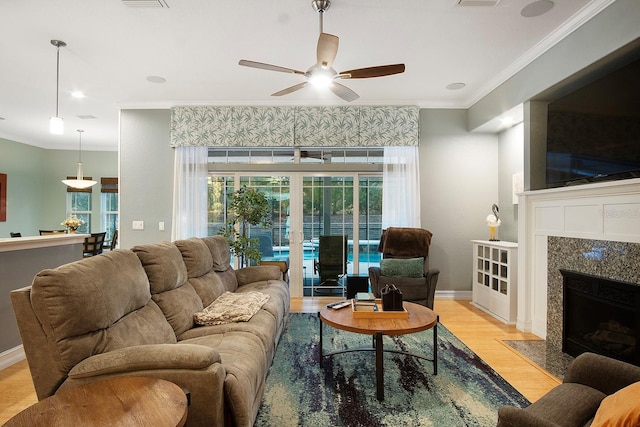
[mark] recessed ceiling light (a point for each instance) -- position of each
(86, 116)
(156, 79)
(536, 8)
(455, 86)
(77, 94)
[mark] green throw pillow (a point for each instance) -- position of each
(402, 267)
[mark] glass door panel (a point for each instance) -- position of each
(304, 208)
(327, 209)
(369, 223)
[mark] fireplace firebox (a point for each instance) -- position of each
(600, 315)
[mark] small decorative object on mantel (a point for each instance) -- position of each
(493, 221)
(72, 223)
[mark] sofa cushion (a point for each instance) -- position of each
(178, 306)
(231, 307)
(163, 264)
(568, 402)
(402, 267)
(167, 274)
(96, 305)
(196, 256)
(246, 364)
(620, 409)
(278, 304)
(220, 252)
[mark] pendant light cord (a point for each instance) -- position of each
(80, 146)
(57, 77)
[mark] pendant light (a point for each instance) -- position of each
(56, 124)
(79, 182)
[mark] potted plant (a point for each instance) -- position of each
(247, 206)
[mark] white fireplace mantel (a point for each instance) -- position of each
(599, 211)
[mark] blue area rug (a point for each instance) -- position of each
(466, 391)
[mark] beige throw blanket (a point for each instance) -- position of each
(231, 307)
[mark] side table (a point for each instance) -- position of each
(357, 283)
(121, 401)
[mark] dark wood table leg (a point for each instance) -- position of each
(435, 346)
(379, 366)
(320, 343)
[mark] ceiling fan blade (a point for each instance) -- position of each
(263, 66)
(290, 89)
(343, 92)
(327, 49)
(365, 73)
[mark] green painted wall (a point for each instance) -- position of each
(36, 199)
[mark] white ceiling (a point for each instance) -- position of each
(196, 45)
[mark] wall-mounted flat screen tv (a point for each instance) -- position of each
(593, 133)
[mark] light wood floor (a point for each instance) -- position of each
(478, 330)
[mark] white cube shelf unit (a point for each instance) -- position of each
(495, 277)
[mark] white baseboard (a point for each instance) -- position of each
(454, 295)
(11, 356)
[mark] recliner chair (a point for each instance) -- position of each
(405, 263)
(331, 264)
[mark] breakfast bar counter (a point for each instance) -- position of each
(21, 258)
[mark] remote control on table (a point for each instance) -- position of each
(339, 304)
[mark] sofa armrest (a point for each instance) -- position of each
(146, 357)
(374, 279)
(602, 373)
(258, 273)
(509, 416)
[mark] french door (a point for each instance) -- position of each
(305, 207)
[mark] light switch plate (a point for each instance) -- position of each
(138, 225)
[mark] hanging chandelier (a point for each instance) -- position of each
(56, 124)
(79, 181)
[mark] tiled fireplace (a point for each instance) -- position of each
(592, 229)
(618, 261)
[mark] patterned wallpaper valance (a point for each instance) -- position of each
(366, 126)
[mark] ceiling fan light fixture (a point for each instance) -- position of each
(321, 77)
(322, 74)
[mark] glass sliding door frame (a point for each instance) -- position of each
(301, 270)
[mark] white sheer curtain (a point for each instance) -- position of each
(401, 187)
(190, 193)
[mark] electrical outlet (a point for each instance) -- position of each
(161, 226)
(138, 225)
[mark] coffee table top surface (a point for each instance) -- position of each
(122, 401)
(420, 318)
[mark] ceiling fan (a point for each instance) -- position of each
(322, 73)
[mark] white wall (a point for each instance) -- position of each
(146, 176)
(511, 161)
(459, 184)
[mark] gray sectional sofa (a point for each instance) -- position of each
(131, 313)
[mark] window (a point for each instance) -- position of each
(109, 206)
(79, 204)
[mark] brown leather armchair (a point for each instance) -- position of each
(408, 244)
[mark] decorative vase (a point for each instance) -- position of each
(493, 233)
(72, 231)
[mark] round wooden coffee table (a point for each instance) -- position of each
(122, 401)
(419, 319)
